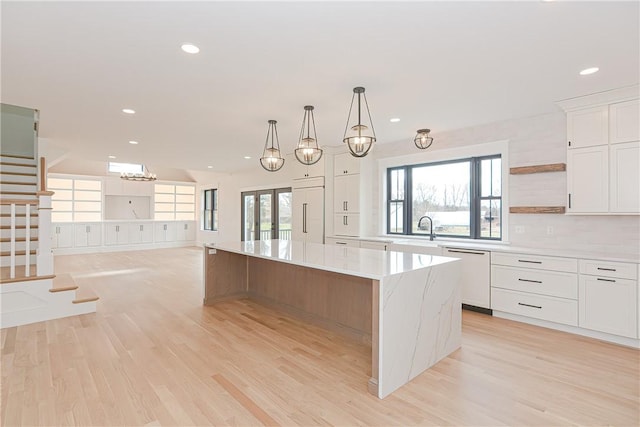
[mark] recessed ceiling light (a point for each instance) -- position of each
(190, 48)
(247, 157)
(394, 120)
(128, 111)
(133, 142)
(588, 71)
(209, 167)
(112, 157)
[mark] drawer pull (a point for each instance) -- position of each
(531, 281)
(606, 280)
(606, 269)
(466, 252)
(530, 262)
(529, 305)
(341, 243)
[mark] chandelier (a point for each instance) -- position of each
(361, 138)
(271, 159)
(145, 175)
(307, 151)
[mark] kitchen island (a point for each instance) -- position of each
(407, 305)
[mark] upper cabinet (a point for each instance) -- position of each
(603, 152)
(302, 171)
(345, 164)
(588, 127)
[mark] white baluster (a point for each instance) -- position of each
(27, 240)
(12, 256)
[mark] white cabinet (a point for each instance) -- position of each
(346, 195)
(186, 231)
(624, 165)
(431, 249)
(164, 232)
(608, 303)
(61, 236)
(116, 233)
(588, 127)
(140, 232)
(536, 286)
(345, 164)
(347, 224)
(370, 244)
(351, 243)
(308, 214)
(624, 121)
(302, 171)
(588, 180)
(475, 277)
(87, 235)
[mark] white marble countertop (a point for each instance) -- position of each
(501, 247)
(367, 263)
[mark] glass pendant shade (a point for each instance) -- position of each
(359, 135)
(271, 159)
(422, 139)
(307, 151)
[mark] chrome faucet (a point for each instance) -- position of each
(431, 235)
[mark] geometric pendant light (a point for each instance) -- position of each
(271, 159)
(307, 151)
(422, 139)
(359, 135)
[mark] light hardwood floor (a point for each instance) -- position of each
(154, 355)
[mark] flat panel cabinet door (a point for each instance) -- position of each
(61, 236)
(94, 235)
(588, 180)
(165, 232)
(476, 276)
(186, 231)
(346, 224)
(346, 195)
(345, 164)
(625, 177)
(81, 235)
(608, 305)
(301, 171)
(116, 234)
(624, 122)
(308, 214)
(298, 199)
(588, 127)
(135, 232)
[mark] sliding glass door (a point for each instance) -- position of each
(266, 214)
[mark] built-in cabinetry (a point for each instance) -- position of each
(116, 233)
(346, 195)
(165, 231)
(140, 232)
(381, 245)
(61, 236)
(608, 297)
(302, 171)
(475, 277)
(603, 153)
(308, 209)
(87, 235)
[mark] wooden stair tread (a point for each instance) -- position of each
(63, 282)
(18, 239)
(18, 253)
(18, 227)
(18, 173)
(85, 296)
(17, 156)
(5, 273)
(16, 183)
(18, 215)
(18, 201)
(20, 193)
(17, 164)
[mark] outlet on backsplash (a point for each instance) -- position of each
(549, 230)
(519, 229)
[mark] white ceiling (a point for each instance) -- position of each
(442, 65)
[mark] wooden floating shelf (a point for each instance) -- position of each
(537, 209)
(553, 167)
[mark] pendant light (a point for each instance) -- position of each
(307, 151)
(271, 159)
(422, 139)
(361, 137)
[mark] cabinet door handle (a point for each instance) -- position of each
(606, 269)
(569, 194)
(530, 262)
(346, 205)
(341, 243)
(530, 281)
(304, 217)
(117, 228)
(465, 252)
(165, 227)
(141, 227)
(87, 228)
(529, 305)
(606, 280)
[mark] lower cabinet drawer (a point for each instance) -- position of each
(621, 270)
(553, 309)
(557, 284)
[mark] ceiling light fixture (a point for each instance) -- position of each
(588, 71)
(133, 142)
(307, 151)
(190, 48)
(271, 159)
(394, 120)
(360, 140)
(145, 175)
(112, 157)
(209, 167)
(128, 111)
(422, 139)
(247, 157)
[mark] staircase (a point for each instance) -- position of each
(29, 290)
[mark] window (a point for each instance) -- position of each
(75, 199)
(463, 198)
(126, 167)
(210, 214)
(173, 202)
